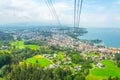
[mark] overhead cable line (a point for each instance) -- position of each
(52, 10)
(80, 9)
(77, 13)
(74, 16)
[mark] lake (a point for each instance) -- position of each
(109, 36)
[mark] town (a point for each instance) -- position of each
(54, 48)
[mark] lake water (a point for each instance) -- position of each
(109, 36)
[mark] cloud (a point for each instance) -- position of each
(100, 14)
(25, 10)
(96, 13)
(30, 11)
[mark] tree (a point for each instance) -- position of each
(5, 59)
(109, 78)
(117, 58)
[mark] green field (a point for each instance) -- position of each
(41, 61)
(92, 54)
(2, 79)
(20, 45)
(110, 69)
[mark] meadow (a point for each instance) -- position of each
(20, 45)
(39, 59)
(110, 69)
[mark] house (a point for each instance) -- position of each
(4, 47)
(76, 68)
(100, 65)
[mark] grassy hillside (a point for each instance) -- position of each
(110, 69)
(42, 61)
(21, 45)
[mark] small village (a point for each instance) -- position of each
(96, 52)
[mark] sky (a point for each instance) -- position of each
(95, 13)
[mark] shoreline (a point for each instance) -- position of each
(101, 43)
(109, 36)
(110, 48)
